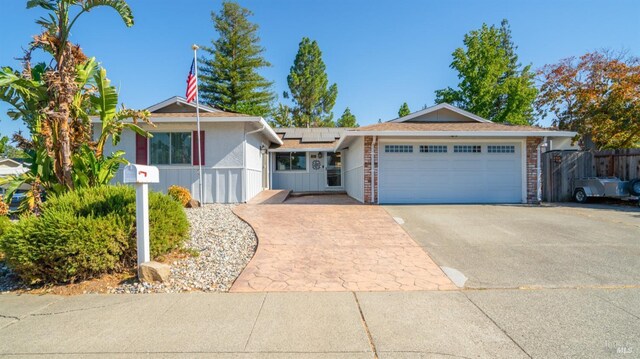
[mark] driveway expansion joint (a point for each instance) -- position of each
(363, 320)
(497, 325)
(253, 327)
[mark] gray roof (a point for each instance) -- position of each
(310, 135)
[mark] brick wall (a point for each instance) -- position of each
(367, 171)
(532, 169)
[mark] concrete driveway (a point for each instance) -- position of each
(333, 247)
(502, 246)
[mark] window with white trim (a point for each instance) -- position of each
(467, 148)
(291, 161)
(170, 148)
(501, 149)
(398, 148)
(433, 148)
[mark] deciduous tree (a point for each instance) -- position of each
(597, 95)
(229, 76)
(310, 91)
(493, 84)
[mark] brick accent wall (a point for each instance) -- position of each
(532, 169)
(367, 171)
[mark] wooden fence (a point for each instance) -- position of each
(559, 168)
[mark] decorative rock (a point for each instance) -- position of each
(224, 244)
(193, 203)
(154, 272)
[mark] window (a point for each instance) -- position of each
(501, 149)
(398, 148)
(170, 148)
(433, 148)
(291, 161)
(467, 149)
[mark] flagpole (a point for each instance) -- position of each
(195, 61)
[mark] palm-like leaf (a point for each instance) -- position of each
(50, 5)
(107, 101)
(120, 6)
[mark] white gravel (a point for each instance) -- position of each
(225, 245)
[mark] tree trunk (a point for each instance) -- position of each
(65, 152)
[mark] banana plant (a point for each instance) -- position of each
(26, 95)
(112, 120)
(90, 170)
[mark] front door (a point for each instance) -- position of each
(334, 169)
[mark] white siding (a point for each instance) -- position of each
(254, 183)
(298, 181)
(354, 169)
(223, 169)
(253, 158)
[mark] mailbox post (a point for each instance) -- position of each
(141, 176)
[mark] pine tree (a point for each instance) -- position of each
(310, 91)
(492, 84)
(404, 110)
(347, 119)
(282, 116)
(229, 77)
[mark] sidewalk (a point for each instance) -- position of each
(478, 324)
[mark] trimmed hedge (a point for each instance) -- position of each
(89, 232)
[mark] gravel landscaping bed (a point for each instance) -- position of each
(222, 243)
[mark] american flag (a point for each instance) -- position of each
(192, 84)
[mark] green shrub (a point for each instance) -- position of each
(180, 194)
(89, 232)
(5, 223)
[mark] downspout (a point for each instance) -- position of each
(373, 180)
(539, 169)
(244, 160)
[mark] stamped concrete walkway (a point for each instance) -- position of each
(311, 247)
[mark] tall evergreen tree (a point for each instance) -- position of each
(404, 110)
(313, 97)
(493, 84)
(229, 76)
(347, 119)
(282, 116)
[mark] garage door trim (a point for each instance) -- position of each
(418, 141)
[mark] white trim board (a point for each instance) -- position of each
(440, 107)
(181, 101)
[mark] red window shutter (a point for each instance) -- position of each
(141, 150)
(194, 149)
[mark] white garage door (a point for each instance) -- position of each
(450, 173)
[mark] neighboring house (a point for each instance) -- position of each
(11, 167)
(441, 154)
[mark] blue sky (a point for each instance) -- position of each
(380, 53)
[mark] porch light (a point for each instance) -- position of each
(319, 154)
(263, 149)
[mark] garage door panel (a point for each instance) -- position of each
(450, 177)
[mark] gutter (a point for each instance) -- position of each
(539, 169)
(373, 179)
(461, 133)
